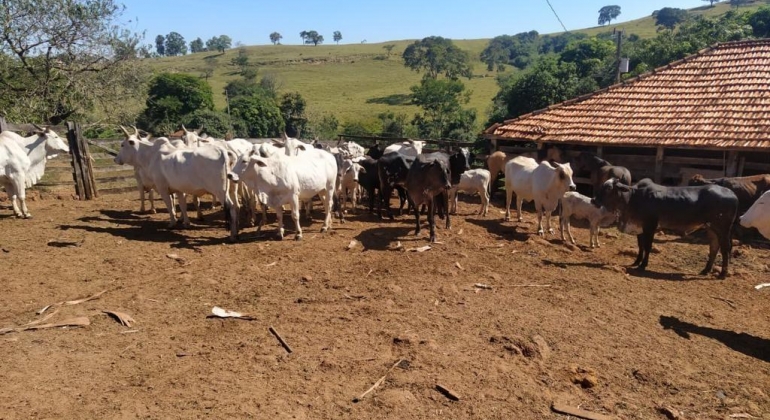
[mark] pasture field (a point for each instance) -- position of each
(598, 337)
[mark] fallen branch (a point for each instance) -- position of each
(528, 285)
(217, 312)
(483, 286)
(280, 339)
(123, 318)
(72, 302)
(727, 301)
(378, 383)
(759, 286)
(577, 412)
(447, 393)
(72, 322)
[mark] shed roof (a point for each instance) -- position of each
(717, 98)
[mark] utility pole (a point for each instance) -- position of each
(619, 41)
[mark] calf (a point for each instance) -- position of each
(349, 184)
(392, 169)
(758, 216)
(369, 179)
(748, 189)
(646, 205)
(544, 183)
(472, 181)
(429, 177)
(574, 204)
(375, 152)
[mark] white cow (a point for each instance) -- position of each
(22, 163)
(758, 215)
(351, 150)
(196, 171)
(348, 184)
(472, 181)
(543, 183)
(410, 148)
(576, 205)
(290, 179)
(43, 145)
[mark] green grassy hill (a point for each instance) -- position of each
(358, 81)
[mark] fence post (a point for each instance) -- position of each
(3, 124)
(77, 170)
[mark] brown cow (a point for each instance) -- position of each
(601, 170)
(748, 189)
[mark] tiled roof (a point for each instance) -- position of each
(717, 98)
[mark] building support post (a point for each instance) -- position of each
(659, 165)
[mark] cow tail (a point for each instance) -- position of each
(229, 159)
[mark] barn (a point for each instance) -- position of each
(708, 113)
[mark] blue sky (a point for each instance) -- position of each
(251, 22)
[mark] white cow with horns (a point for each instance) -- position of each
(22, 162)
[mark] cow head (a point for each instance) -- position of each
(53, 143)
(564, 176)
(758, 215)
(191, 138)
(353, 170)
(244, 164)
(375, 152)
(613, 195)
(128, 148)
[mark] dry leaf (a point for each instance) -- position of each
(351, 245)
(271, 264)
(457, 264)
(760, 286)
(224, 313)
(420, 249)
(72, 302)
(483, 286)
(123, 318)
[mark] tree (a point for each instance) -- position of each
(60, 58)
(739, 3)
(588, 55)
(219, 43)
(293, 112)
(175, 44)
(436, 55)
(209, 67)
(327, 128)
(160, 45)
(217, 123)
(608, 13)
(275, 38)
(312, 37)
(711, 2)
(669, 17)
(516, 50)
(389, 48)
(241, 61)
(171, 97)
(760, 22)
(196, 46)
(337, 37)
(260, 114)
(441, 102)
(303, 35)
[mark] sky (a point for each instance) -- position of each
(250, 22)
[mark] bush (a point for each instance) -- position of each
(260, 114)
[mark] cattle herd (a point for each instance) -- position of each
(289, 172)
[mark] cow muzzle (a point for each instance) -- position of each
(573, 187)
(232, 177)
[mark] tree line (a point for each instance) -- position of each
(173, 43)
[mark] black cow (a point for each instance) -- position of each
(375, 152)
(369, 180)
(646, 205)
(748, 189)
(600, 170)
(459, 162)
(392, 168)
(428, 181)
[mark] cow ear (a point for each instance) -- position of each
(301, 147)
(361, 170)
(257, 160)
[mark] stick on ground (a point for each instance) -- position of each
(577, 412)
(280, 339)
(447, 392)
(378, 383)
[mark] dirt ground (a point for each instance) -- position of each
(560, 324)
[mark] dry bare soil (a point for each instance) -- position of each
(658, 345)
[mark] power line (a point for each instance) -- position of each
(557, 16)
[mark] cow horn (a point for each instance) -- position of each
(125, 131)
(136, 130)
(284, 136)
(183, 128)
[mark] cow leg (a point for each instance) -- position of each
(326, 199)
(167, 199)
(594, 235)
(519, 203)
(279, 220)
(417, 221)
(640, 254)
(197, 201)
(445, 204)
(141, 196)
(151, 195)
(183, 209)
(295, 217)
(17, 193)
(508, 197)
(548, 215)
(648, 234)
(432, 219)
(401, 200)
(370, 193)
(540, 212)
(725, 246)
(232, 208)
(713, 248)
